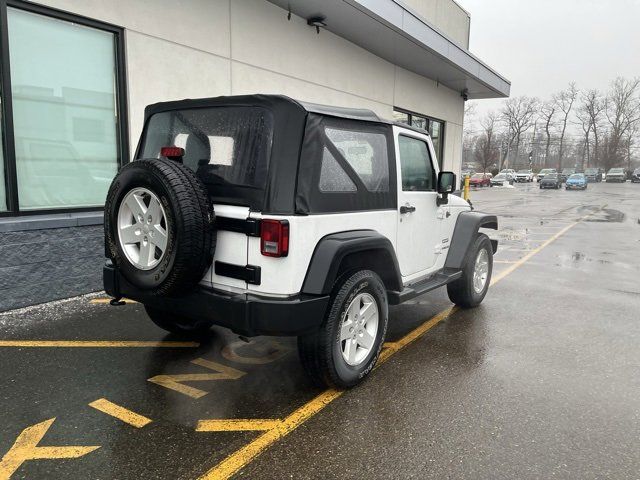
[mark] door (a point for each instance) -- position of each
(419, 239)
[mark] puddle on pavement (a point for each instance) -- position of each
(607, 215)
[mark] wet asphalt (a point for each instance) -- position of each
(541, 381)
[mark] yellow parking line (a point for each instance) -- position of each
(245, 455)
(121, 413)
(237, 460)
(533, 252)
(94, 344)
(108, 299)
(225, 425)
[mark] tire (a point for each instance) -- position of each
(185, 229)
(462, 291)
(321, 352)
(178, 325)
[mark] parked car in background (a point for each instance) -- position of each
(616, 175)
(501, 180)
(635, 176)
(480, 180)
(566, 173)
(510, 172)
(551, 180)
(545, 171)
(577, 181)
(593, 174)
(524, 176)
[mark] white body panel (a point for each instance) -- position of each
(286, 275)
(420, 239)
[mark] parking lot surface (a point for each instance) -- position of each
(542, 380)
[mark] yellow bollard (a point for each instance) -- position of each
(466, 188)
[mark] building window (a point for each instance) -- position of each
(64, 118)
(434, 126)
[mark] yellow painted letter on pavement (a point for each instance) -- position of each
(26, 448)
(175, 382)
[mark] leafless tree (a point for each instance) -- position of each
(547, 115)
(622, 111)
(630, 141)
(518, 114)
(486, 148)
(591, 110)
(564, 101)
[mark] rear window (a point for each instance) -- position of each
(228, 146)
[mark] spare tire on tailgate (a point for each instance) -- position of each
(158, 223)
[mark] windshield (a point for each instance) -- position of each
(224, 145)
(616, 170)
(576, 176)
(551, 176)
(591, 170)
(478, 176)
(523, 171)
(568, 170)
(545, 171)
(500, 176)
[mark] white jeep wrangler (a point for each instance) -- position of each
(323, 217)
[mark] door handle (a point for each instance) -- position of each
(407, 209)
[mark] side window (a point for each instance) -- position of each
(332, 177)
(416, 166)
(366, 153)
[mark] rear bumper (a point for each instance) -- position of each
(245, 314)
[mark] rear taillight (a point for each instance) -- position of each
(274, 238)
(172, 152)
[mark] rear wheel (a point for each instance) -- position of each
(470, 289)
(347, 346)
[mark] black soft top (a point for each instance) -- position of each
(293, 125)
(281, 102)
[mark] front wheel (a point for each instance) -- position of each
(347, 346)
(470, 289)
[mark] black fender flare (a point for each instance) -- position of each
(357, 245)
(466, 229)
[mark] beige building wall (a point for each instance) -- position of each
(446, 15)
(231, 47)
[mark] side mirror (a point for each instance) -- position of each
(446, 185)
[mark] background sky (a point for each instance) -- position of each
(542, 45)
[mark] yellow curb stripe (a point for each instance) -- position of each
(239, 425)
(94, 344)
(245, 455)
(121, 413)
